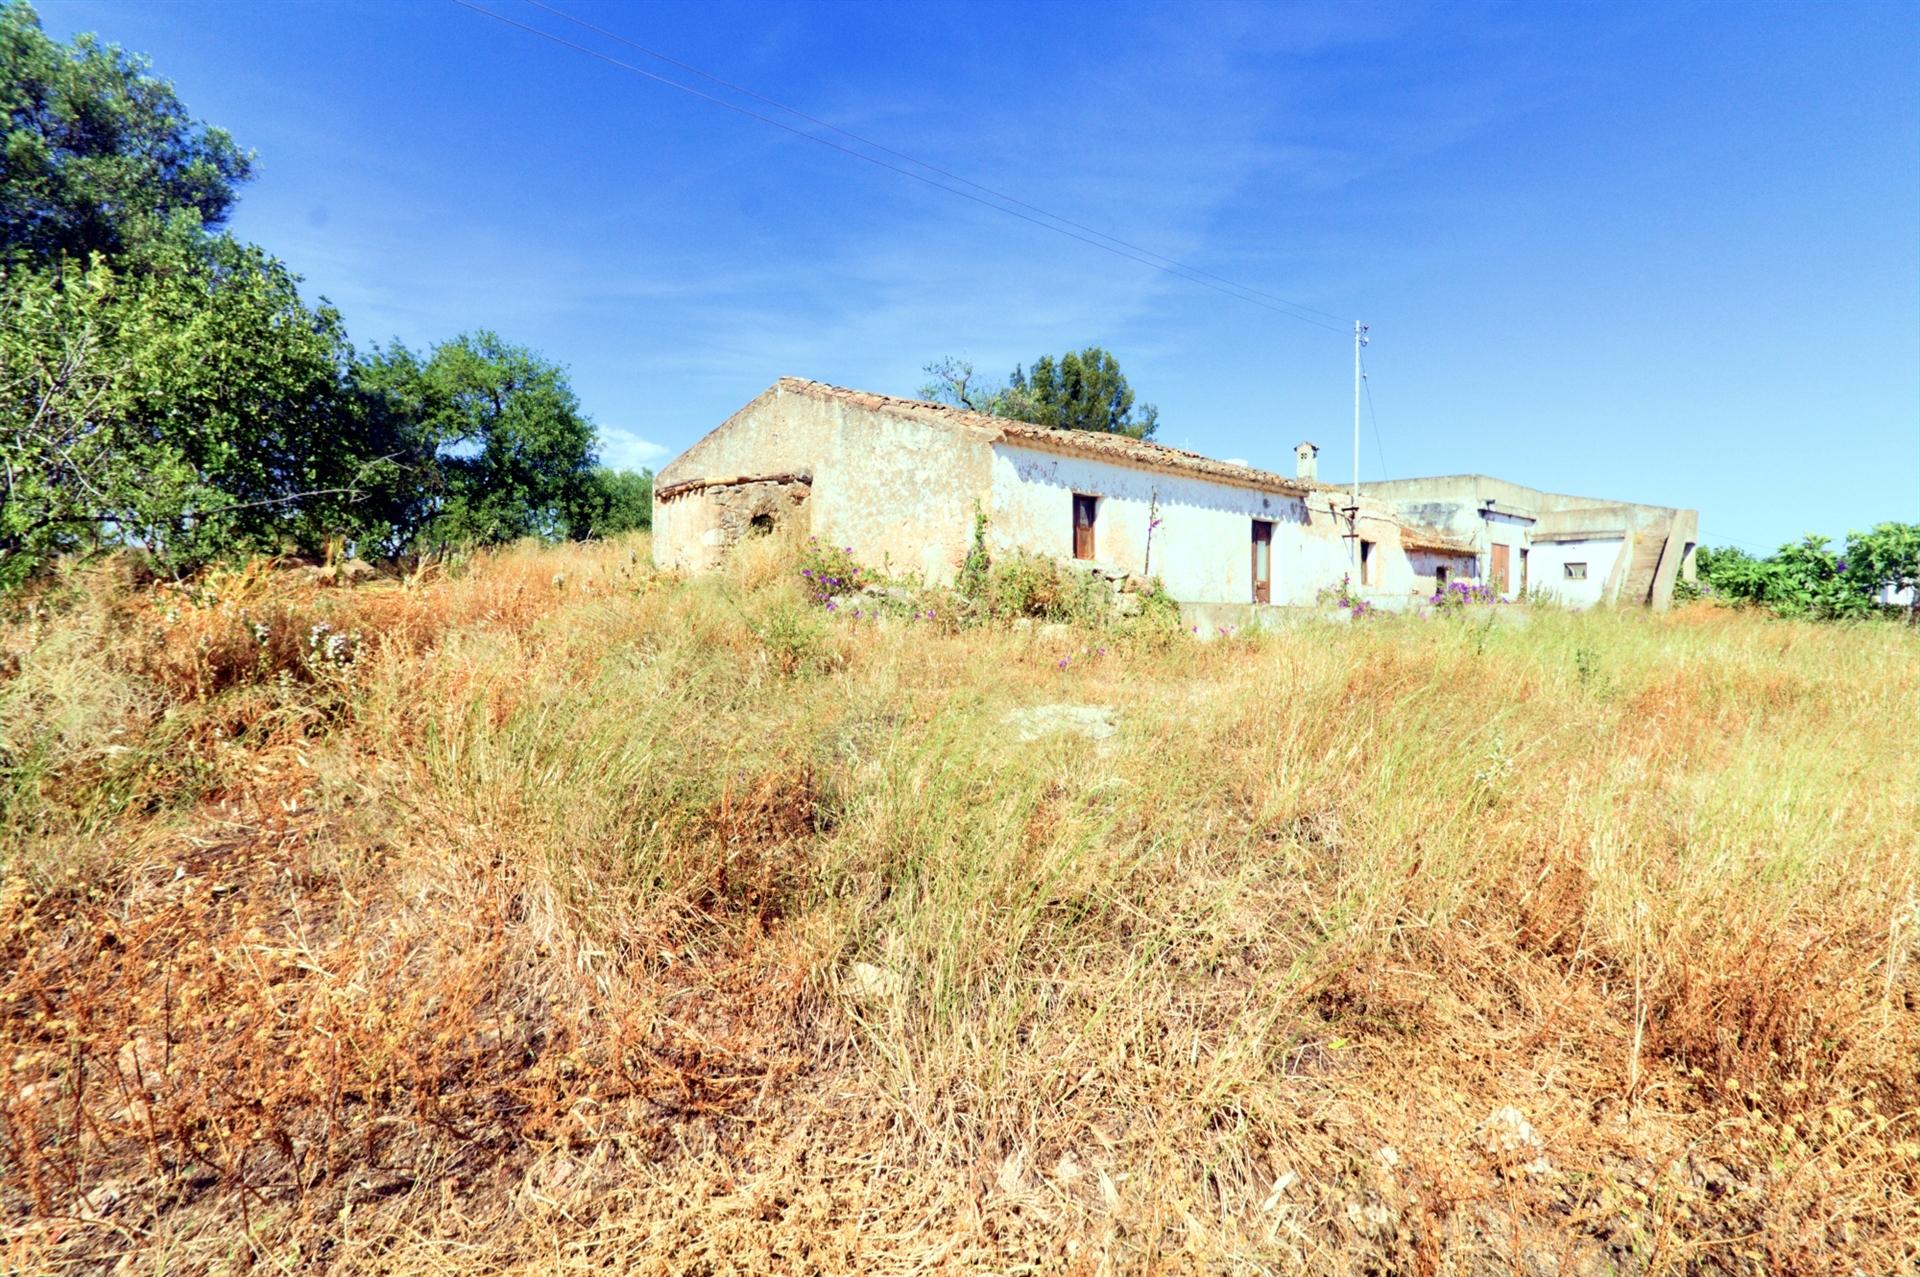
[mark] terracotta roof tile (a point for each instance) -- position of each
(1086, 443)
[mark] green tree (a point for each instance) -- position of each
(511, 452)
(192, 410)
(1082, 390)
(1729, 572)
(98, 155)
(955, 381)
(166, 387)
(1888, 557)
(1808, 578)
(610, 502)
(77, 473)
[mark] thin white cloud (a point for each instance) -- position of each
(625, 450)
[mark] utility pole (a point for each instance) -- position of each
(1359, 340)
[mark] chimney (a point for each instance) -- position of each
(1307, 461)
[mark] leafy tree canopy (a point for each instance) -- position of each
(194, 410)
(98, 155)
(609, 503)
(1081, 390)
(165, 387)
(1810, 578)
(510, 448)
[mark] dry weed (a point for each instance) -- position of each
(542, 914)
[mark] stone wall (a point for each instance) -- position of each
(701, 520)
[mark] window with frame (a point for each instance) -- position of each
(1576, 571)
(1369, 563)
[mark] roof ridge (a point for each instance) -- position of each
(1092, 443)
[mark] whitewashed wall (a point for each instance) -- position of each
(1888, 596)
(1550, 559)
(1511, 531)
(1202, 548)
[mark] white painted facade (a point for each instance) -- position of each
(1201, 546)
(1594, 559)
(1509, 530)
(1889, 596)
(1427, 567)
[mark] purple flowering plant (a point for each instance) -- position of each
(1344, 596)
(1458, 594)
(826, 571)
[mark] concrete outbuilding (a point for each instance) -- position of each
(1581, 551)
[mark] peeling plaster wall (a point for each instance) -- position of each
(1600, 554)
(1457, 518)
(1511, 531)
(1397, 580)
(774, 433)
(898, 491)
(1660, 540)
(901, 493)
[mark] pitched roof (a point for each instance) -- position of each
(1095, 444)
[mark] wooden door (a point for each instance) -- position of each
(1082, 526)
(1498, 575)
(1262, 561)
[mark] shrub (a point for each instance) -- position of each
(1040, 588)
(1157, 606)
(1809, 578)
(1344, 596)
(974, 568)
(1459, 594)
(794, 639)
(826, 572)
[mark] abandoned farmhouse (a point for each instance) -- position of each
(899, 482)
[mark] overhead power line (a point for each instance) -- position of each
(1176, 269)
(1366, 379)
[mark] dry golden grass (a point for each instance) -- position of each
(552, 916)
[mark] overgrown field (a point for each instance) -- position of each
(553, 916)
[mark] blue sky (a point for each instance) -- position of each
(1664, 253)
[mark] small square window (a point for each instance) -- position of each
(1576, 571)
